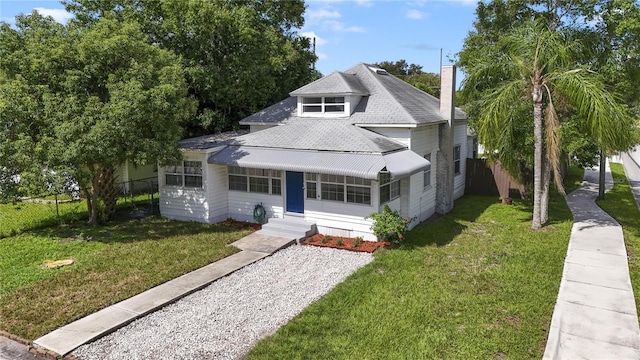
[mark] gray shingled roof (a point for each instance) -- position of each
(210, 141)
(320, 134)
(273, 114)
(389, 101)
(334, 83)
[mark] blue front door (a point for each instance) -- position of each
(295, 192)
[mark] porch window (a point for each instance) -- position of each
(389, 190)
(324, 104)
(456, 159)
(311, 180)
(427, 173)
(262, 181)
(184, 173)
(334, 188)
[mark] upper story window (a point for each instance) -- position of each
(323, 105)
(184, 173)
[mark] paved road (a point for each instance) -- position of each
(12, 350)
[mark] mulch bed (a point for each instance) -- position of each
(345, 243)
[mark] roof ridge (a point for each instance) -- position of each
(380, 85)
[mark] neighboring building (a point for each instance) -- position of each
(136, 178)
(337, 150)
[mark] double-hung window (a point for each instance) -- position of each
(389, 189)
(323, 104)
(456, 160)
(427, 173)
(346, 189)
(185, 174)
(311, 180)
(255, 180)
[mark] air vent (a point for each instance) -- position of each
(378, 70)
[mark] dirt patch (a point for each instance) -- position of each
(235, 224)
(50, 264)
(338, 242)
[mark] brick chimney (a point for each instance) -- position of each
(444, 165)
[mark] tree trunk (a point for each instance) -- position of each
(603, 172)
(537, 160)
(546, 178)
(107, 192)
(93, 210)
(93, 215)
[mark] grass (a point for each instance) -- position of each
(26, 215)
(476, 283)
(113, 263)
(621, 205)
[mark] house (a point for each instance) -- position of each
(335, 151)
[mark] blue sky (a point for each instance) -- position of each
(348, 32)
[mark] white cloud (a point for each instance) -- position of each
(338, 26)
(310, 34)
(416, 14)
(59, 15)
(323, 14)
(321, 56)
(365, 3)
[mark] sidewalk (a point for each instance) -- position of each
(595, 315)
(67, 338)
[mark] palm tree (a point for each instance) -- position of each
(536, 66)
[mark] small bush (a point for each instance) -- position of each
(339, 241)
(388, 225)
(325, 239)
(357, 241)
(311, 239)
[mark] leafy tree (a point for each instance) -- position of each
(239, 56)
(413, 74)
(80, 101)
(537, 66)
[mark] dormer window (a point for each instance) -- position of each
(323, 105)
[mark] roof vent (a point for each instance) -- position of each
(378, 71)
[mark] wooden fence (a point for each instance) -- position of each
(491, 180)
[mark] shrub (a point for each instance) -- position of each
(357, 241)
(388, 225)
(339, 242)
(325, 239)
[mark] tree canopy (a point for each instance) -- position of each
(239, 56)
(78, 101)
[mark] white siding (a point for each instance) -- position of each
(340, 219)
(241, 205)
(460, 138)
(127, 172)
(185, 203)
(217, 193)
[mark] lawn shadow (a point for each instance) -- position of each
(129, 230)
(440, 230)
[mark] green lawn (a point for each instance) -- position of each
(113, 263)
(476, 283)
(620, 204)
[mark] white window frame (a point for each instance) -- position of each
(324, 107)
(354, 190)
(457, 165)
(245, 175)
(184, 170)
(393, 186)
(427, 174)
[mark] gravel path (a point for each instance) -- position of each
(225, 319)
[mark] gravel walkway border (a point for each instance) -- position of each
(225, 319)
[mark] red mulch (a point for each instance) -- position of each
(346, 243)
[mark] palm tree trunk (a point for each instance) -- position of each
(546, 178)
(603, 171)
(536, 95)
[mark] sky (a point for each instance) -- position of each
(349, 32)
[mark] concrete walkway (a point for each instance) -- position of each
(595, 315)
(67, 338)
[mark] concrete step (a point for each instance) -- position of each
(290, 228)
